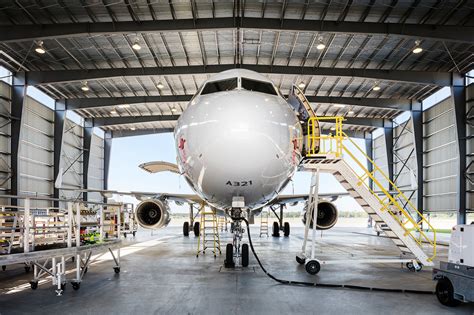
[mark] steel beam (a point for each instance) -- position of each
(59, 117)
(372, 122)
(417, 119)
(18, 99)
(111, 121)
(107, 153)
(139, 132)
(12, 33)
(388, 133)
(458, 93)
(86, 147)
(93, 102)
(421, 77)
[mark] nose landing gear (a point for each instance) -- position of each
(235, 251)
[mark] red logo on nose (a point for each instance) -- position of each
(181, 143)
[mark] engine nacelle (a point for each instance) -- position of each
(153, 213)
(327, 215)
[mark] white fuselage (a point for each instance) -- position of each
(238, 143)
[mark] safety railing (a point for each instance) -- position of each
(334, 144)
(318, 144)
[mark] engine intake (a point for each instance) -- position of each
(153, 214)
(327, 215)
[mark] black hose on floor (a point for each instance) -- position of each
(324, 285)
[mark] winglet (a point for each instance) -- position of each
(159, 166)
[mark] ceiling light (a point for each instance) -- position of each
(351, 112)
(339, 105)
(174, 109)
(124, 106)
(376, 87)
(132, 128)
(113, 112)
(136, 45)
(301, 85)
(160, 85)
(321, 45)
(40, 48)
(333, 128)
(417, 48)
(85, 86)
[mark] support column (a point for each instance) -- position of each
(86, 147)
(19, 87)
(59, 117)
(107, 152)
(417, 119)
(369, 150)
(458, 92)
(388, 133)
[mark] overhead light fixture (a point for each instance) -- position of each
(40, 48)
(113, 112)
(124, 106)
(132, 128)
(339, 105)
(85, 86)
(376, 87)
(136, 45)
(351, 112)
(333, 128)
(174, 109)
(301, 85)
(417, 48)
(321, 45)
(160, 85)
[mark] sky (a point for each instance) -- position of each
(128, 153)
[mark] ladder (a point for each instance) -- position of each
(223, 223)
(392, 208)
(264, 216)
(209, 233)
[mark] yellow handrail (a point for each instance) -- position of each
(389, 199)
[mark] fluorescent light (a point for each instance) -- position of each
(339, 105)
(351, 112)
(113, 112)
(417, 48)
(376, 88)
(160, 85)
(124, 106)
(136, 45)
(85, 86)
(132, 128)
(320, 46)
(174, 109)
(301, 85)
(40, 48)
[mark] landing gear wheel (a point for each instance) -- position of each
(196, 229)
(276, 230)
(117, 269)
(34, 285)
(229, 256)
(313, 267)
(186, 228)
(300, 260)
(245, 255)
(286, 229)
(445, 293)
(76, 285)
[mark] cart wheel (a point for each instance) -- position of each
(34, 285)
(276, 230)
(4, 267)
(245, 255)
(125, 235)
(445, 293)
(186, 228)
(117, 269)
(27, 269)
(378, 233)
(76, 285)
(420, 266)
(286, 229)
(300, 260)
(410, 266)
(196, 229)
(229, 256)
(313, 267)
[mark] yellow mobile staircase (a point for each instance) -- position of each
(209, 232)
(332, 154)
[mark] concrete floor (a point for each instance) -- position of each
(163, 276)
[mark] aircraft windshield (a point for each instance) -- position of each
(258, 86)
(220, 86)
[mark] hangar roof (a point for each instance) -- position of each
(366, 43)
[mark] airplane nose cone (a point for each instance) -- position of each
(242, 144)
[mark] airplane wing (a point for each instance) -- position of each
(159, 166)
(285, 199)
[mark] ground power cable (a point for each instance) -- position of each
(320, 284)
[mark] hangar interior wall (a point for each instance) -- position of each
(380, 159)
(470, 151)
(36, 152)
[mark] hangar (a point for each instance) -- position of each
(77, 75)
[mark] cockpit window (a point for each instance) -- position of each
(258, 86)
(220, 86)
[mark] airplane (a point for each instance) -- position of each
(238, 144)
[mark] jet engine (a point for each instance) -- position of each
(327, 215)
(153, 213)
